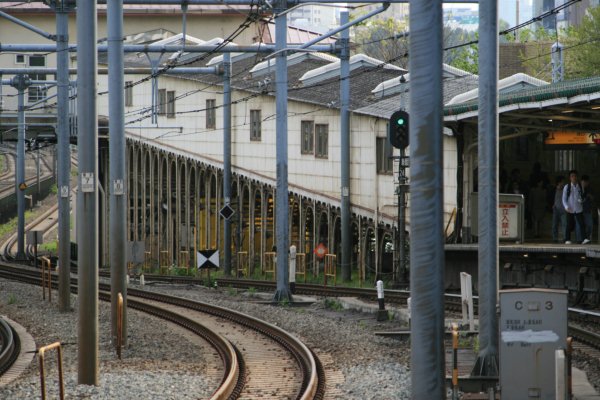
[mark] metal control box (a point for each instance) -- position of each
(533, 324)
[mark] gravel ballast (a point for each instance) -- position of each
(359, 365)
(369, 366)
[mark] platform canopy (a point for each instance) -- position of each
(566, 112)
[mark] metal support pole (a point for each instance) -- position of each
(346, 249)
(402, 186)
(64, 158)
(20, 82)
(25, 25)
(281, 201)
(117, 184)
(37, 167)
(87, 195)
(426, 199)
(227, 158)
(487, 359)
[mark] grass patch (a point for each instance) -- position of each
(51, 247)
(12, 299)
(11, 225)
(333, 304)
(232, 291)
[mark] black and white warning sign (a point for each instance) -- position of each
(208, 259)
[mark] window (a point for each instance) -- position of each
(162, 101)
(128, 94)
(171, 104)
(20, 59)
(307, 129)
(211, 114)
(36, 93)
(322, 140)
(255, 122)
(384, 152)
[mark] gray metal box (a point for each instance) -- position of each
(533, 324)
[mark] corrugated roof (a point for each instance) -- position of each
(556, 90)
(385, 107)
(511, 83)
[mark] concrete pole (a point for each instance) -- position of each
(87, 195)
(227, 159)
(281, 200)
(487, 360)
(20, 82)
(346, 249)
(402, 219)
(117, 184)
(426, 199)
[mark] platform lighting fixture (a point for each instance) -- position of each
(596, 108)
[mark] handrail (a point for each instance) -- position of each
(41, 352)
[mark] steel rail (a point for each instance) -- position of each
(11, 346)
(233, 377)
(313, 386)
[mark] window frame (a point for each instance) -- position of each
(322, 145)
(128, 94)
(310, 146)
(35, 93)
(383, 151)
(255, 126)
(170, 104)
(162, 102)
(211, 114)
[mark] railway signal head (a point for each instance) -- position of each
(398, 129)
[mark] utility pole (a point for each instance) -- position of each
(282, 200)
(21, 82)
(346, 227)
(227, 158)
(426, 199)
(487, 359)
(117, 185)
(64, 153)
(87, 195)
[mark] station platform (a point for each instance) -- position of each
(582, 389)
(591, 250)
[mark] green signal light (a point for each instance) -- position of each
(400, 121)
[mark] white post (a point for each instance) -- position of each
(381, 313)
(293, 268)
(560, 365)
(466, 294)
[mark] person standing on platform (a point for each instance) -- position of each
(587, 205)
(573, 202)
(558, 210)
(537, 205)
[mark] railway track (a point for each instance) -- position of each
(10, 346)
(8, 177)
(268, 361)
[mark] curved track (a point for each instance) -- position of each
(8, 177)
(270, 362)
(10, 346)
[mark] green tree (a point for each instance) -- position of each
(582, 46)
(378, 38)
